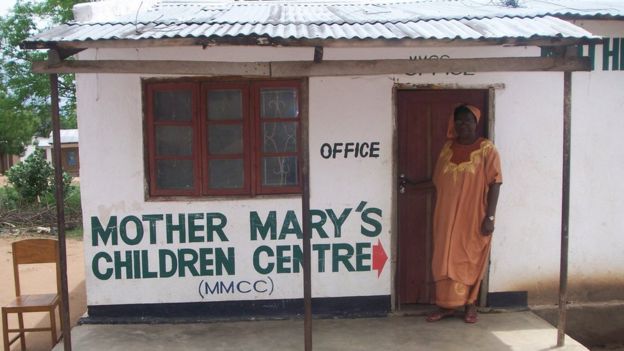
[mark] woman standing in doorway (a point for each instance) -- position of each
(467, 179)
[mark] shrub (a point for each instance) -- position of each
(9, 198)
(31, 177)
(34, 177)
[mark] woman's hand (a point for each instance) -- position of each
(487, 226)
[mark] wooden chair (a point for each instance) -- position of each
(32, 251)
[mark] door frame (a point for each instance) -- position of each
(394, 237)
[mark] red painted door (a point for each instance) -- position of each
(422, 123)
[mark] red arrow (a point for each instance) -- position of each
(379, 257)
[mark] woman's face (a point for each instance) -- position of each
(465, 125)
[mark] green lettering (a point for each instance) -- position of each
(376, 224)
(257, 227)
(165, 255)
(152, 219)
(297, 258)
(145, 266)
(211, 227)
(123, 230)
(95, 266)
(318, 225)
(614, 54)
(136, 260)
(193, 227)
(119, 264)
(338, 221)
(291, 226)
(180, 228)
(205, 261)
(282, 258)
(105, 234)
(226, 262)
(361, 256)
(342, 258)
(321, 249)
(256, 260)
(185, 263)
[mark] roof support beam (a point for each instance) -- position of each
(289, 42)
(287, 69)
(318, 54)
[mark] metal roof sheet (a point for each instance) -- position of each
(416, 19)
(68, 136)
(489, 28)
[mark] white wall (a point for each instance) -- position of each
(528, 132)
(110, 108)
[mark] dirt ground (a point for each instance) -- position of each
(40, 279)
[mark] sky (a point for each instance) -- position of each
(5, 6)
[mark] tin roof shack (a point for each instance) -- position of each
(70, 160)
(235, 120)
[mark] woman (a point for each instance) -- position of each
(467, 179)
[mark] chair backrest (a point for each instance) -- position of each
(32, 251)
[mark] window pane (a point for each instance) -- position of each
(174, 174)
(173, 105)
(279, 103)
(226, 174)
(225, 139)
(225, 104)
(279, 137)
(72, 159)
(174, 141)
(279, 171)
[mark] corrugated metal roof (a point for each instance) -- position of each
(68, 136)
(354, 12)
(418, 19)
(489, 28)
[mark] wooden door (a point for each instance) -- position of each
(422, 123)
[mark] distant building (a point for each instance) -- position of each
(7, 161)
(69, 150)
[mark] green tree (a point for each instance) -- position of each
(25, 96)
(16, 126)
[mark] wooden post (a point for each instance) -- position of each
(307, 234)
(565, 206)
(60, 210)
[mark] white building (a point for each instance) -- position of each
(191, 178)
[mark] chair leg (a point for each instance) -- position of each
(5, 329)
(53, 324)
(22, 334)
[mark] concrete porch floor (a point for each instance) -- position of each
(495, 331)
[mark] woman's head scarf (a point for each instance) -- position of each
(450, 131)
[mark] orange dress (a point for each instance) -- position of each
(462, 178)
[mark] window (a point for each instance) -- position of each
(223, 138)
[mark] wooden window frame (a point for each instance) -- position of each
(252, 138)
(246, 124)
(258, 120)
(151, 138)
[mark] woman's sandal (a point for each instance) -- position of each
(471, 316)
(439, 314)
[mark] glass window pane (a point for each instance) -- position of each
(226, 174)
(225, 104)
(174, 174)
(279, 171)
(174, 141)
(72, 158)
(279, 103)
(173, 105)
(225, 139)
(279, 137)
